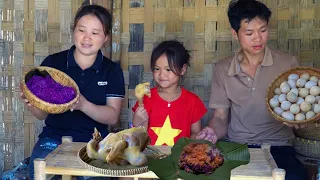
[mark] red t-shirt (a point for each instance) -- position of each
(168, 124)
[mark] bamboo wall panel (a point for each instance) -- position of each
(30, 30)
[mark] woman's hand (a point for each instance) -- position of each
(80, 104)
(39, 114)
(23, 97)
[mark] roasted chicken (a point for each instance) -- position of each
(120, 148)
(141, 90)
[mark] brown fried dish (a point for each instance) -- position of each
(200, 158)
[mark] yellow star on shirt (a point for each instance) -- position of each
(166, 133)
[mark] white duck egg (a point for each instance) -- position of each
(319, 102)
(316, 108)
(293, 76)
(305, 76)
(299, 117)
(294, 90)
(301, 82)
(294, 108)
(277, 97)
(292, 97)
(303, 92)
(310, 99)
(310, 114)
(285, 105)
(305, 106)
(284, 87)
(292, 83)
(282, 97)
(288, 115)
(315, 91)
(278, 110)
(317, 98)
(274, 102)
(277, 91)
(300, 100)
(314, 78)
(310, 84)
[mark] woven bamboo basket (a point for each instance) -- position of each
(283, 77)
(311, 132)
(306, 147)
(59, 77)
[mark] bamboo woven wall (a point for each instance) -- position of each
(32, 29)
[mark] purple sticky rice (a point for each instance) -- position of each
(49, 90)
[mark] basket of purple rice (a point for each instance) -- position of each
(49, 89)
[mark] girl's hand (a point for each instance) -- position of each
(141, 115)
(79, 105)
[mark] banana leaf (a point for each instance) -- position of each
(234, 154)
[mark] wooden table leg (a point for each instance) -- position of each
(65, 177)
(277, 173)
(66, 139)
(39, 166)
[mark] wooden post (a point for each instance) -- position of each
(266, 151)
(66, 139)
(39, 166)
(277, 173)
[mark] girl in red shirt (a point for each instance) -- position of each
(171, 112)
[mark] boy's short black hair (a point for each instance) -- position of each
(176, 54)
(246, 10)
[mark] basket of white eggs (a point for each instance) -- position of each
(294, 96)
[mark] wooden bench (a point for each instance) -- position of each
(63, 161)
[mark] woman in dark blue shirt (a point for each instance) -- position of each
(100, 81)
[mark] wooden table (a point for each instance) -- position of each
(63, 161)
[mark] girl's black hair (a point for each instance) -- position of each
(176, 54)
(246, 10)
(100, 12)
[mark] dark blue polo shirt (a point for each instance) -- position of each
(104, 79)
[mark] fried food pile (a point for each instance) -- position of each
(120, 148)
(200, 158)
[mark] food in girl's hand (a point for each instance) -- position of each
(49, 90)
(120, 148)
(141, 90)
(200, 158)
(298, 98)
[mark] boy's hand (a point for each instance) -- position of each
(208, 134)
(297, 126)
